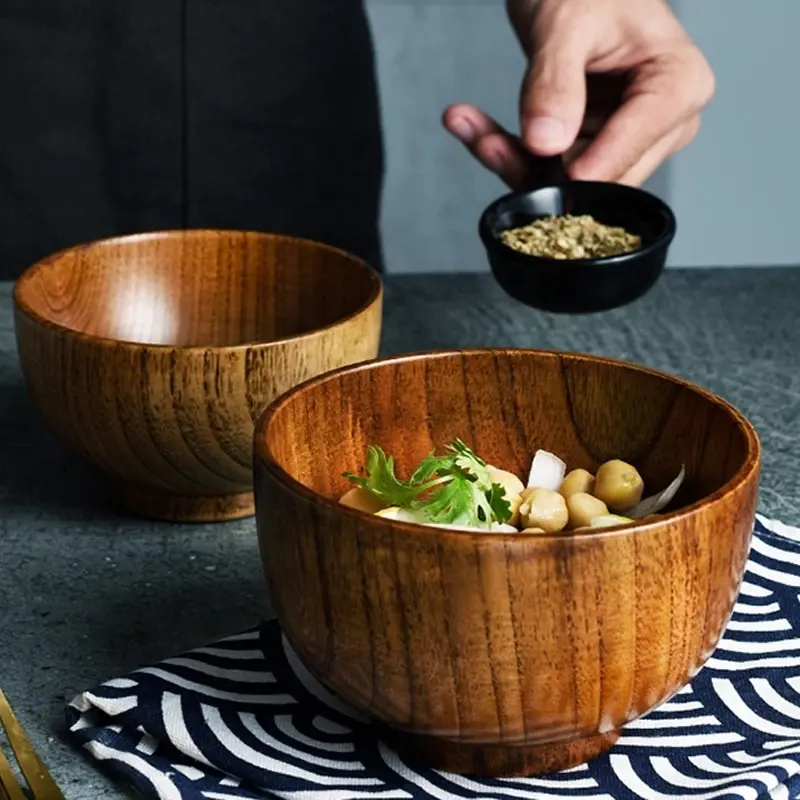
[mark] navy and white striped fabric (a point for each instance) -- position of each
(243, 719)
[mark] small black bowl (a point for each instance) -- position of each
(586, 285)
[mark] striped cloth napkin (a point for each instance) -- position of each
(242, 718)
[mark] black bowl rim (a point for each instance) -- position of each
(375, 293)
(488, 234)
(751, 466)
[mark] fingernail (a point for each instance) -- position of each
(545, 132)
(463, 130)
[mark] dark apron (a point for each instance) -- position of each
(119, 116)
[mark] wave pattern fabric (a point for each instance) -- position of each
(243, 719)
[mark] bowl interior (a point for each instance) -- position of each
(204, 288)
(506, 404)
(612, 204)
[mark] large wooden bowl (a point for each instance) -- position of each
(152, 355)
(502, 654)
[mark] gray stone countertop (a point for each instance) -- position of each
(87, 593)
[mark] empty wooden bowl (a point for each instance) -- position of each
(492, 653)
(152, 355)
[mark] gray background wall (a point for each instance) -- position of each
(435, 52)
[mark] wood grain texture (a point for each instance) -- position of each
(153, 355)
(494, 653)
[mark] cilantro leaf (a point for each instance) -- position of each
(382, 481)
(458, 502)
(501, 508)
(467, 461)
(455, 488)
(432, 465)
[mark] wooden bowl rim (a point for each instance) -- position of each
(743, 476)
(375, 294)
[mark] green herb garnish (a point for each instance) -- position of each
(453, 489)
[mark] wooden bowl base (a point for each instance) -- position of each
(171, 508)
(498, 760)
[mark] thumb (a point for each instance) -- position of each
(553, 100)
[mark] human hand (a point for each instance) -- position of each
(616, 86)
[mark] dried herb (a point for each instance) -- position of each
(570, 237)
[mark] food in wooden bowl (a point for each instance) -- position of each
(500, 652)
(457, 489)
(152, 355)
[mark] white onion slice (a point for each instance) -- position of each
(609, 520)
(547, 471)
(503, 527)
(654, 503)
(418, 518)
(451, 526)
(400, 515)
(497, 527)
